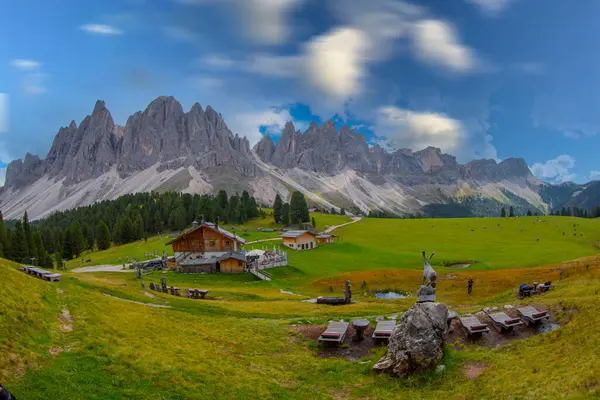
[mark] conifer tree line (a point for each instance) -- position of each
(294, 212)
(67, 234)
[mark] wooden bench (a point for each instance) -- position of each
(335, 333)
(473, 326)
(532, 316)
(52, 277)
(503, 322)
(383, 330)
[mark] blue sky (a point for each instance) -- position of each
(477, 78)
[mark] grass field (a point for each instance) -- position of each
(241, 345)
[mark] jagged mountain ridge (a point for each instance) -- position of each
(162, 134)
(166, 148)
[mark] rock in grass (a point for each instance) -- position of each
(417, 343)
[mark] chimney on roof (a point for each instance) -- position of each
(217, 223)
(194, 224)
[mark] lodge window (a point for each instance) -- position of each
(212, 243)
(227, 243)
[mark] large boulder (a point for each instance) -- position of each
(417, 343)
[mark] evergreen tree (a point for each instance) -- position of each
(78, 241)
(342, 211)
(313, 222)
(233, 211)
(277, 209)
(127, 230)
(88, 236)
(19, 244)
(502, 212)
(285, 214)
(44, 259)
(67, 244)
(529, 213)
(4, 251)
(117, 234)
(511, 212)
(298, 208)
(157, 222)
(58, 256)
(333, 211)
(222, 200)
(138, 227)
(30, 244)
(102, 236)
(49, 240)
(205, 209)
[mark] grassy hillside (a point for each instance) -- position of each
(243, 344)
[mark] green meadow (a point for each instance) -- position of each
(88, 337)
(249, 232)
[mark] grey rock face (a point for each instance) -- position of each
(95, 149)
(59, 151)
(323, 149)
(265, 148)
(417, 343)
(162, 135)
(165, 137)
(20, 173)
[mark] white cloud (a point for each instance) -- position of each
(594, 175)
(556, 170)
(207, 82)
(101, 29)
(249, 123)
(32, 79)
(25, 65)
(34, 83)
(528, 67)
(335, 62)
(217, 61)
(491, 7)
(179, 33)
(437, 42)
(3, 112)
(272, 65)
(267, 20)
(416, 130)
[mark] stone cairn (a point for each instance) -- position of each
(417, 342)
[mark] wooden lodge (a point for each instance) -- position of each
(226, 262)
(208, 248)
(299, 240)
(325, 238)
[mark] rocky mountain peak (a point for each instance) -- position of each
(515, 167)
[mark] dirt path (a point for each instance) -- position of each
(264, 240)
(102, 268)
(137, 302)
(332, 228)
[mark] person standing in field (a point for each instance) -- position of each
(470, 286)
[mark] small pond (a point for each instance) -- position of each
(459, 265)
(390, 295)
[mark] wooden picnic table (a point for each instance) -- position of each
(359, 326)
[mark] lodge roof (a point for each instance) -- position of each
(295, 234)
(212, 259)
(212, 226)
